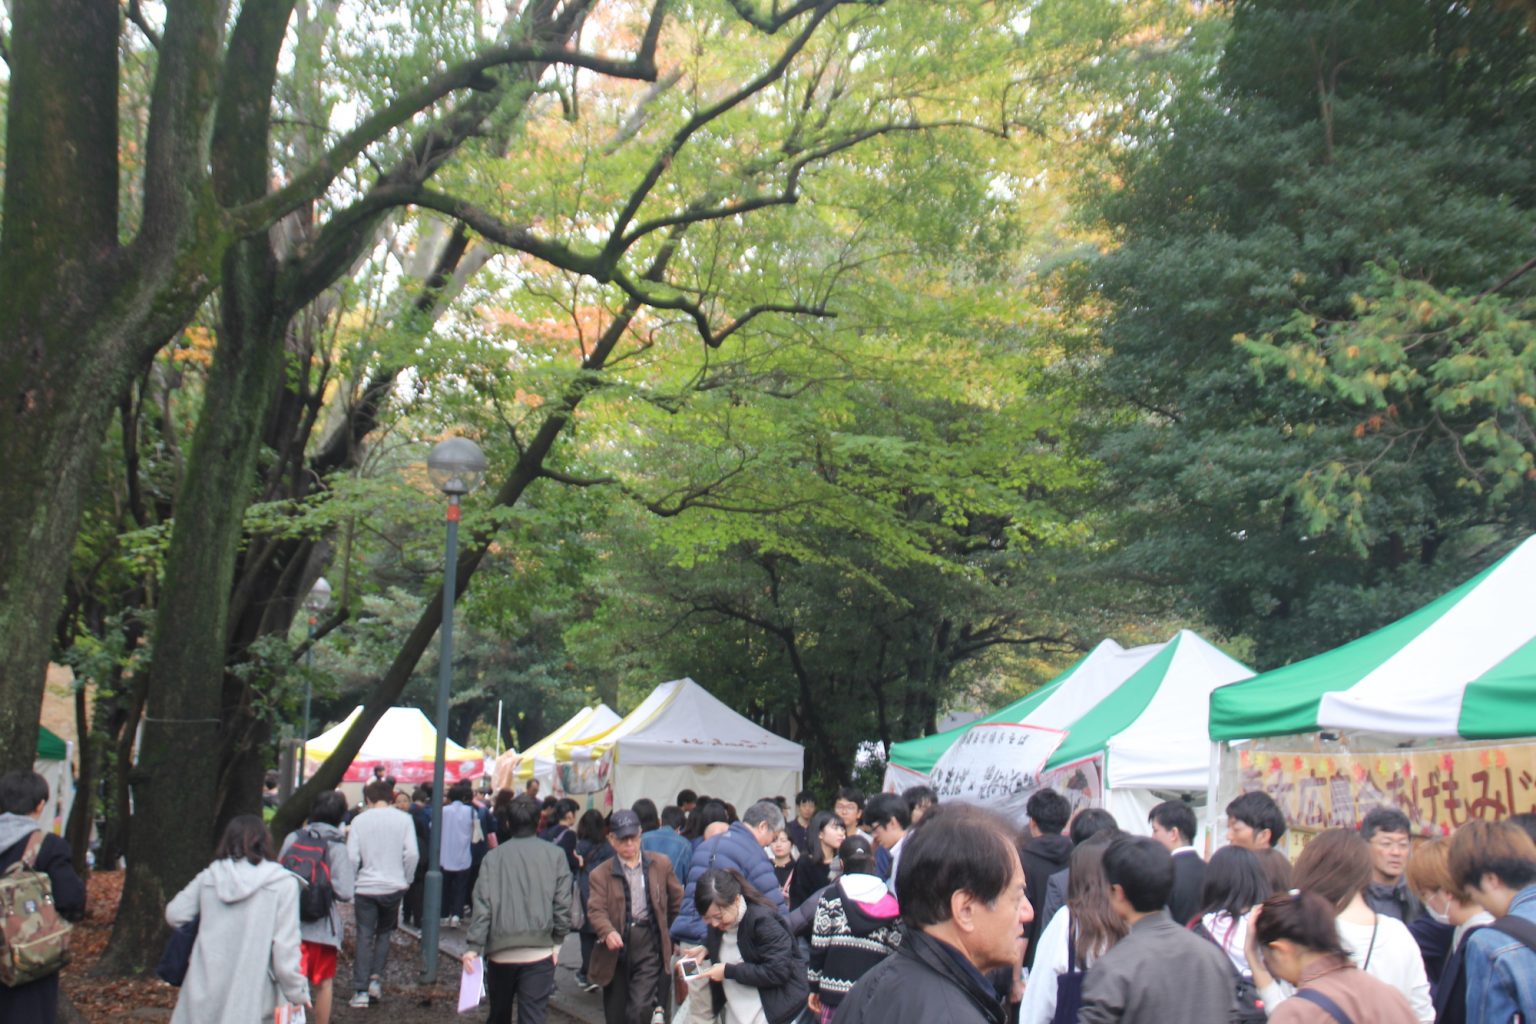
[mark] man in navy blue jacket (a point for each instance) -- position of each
(741, 848)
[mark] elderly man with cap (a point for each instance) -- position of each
(634, 898)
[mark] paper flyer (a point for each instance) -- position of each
(471, 985)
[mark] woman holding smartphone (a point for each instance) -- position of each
(754, 975)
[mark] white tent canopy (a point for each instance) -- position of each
(537, 761)
(682, 737)
(1096, 677)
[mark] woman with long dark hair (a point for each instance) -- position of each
(783, 854)
(1235, 883)
(1296, 936)
(245, 962)
(1076, 936)
(709, 812)
(813, 872)
(562, 831)
(756, 977)
(501, 805)
(592, 848)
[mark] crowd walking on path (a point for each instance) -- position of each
(892, 909)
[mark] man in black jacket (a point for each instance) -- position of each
(1086, 824)
(1173, 825)
(965, 910)
(1044, 852)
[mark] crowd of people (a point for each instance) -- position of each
(884, 910)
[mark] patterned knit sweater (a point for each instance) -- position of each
(857, 925)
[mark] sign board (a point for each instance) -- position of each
(1438, 789)
(997, 764)
(1081, 782)
(899, 780)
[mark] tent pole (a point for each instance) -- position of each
(1213, 788)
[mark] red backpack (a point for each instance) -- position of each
(306, 858)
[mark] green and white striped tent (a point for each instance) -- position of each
(1091, 678)
(1137, 715)
(1460, 669)
(1463, 666)
(53, 762)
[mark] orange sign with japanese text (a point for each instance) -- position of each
(1437, 789)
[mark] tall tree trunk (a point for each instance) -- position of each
(78, 831)
(186, 729)
(61, 126)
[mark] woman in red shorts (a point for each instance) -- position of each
(322, 938)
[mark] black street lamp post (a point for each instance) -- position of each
(456, 466)
(319, 597)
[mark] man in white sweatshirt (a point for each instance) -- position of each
(382, 845)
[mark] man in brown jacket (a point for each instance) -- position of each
(634, 898)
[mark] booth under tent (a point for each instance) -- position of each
(1124, 744)
(404, 742)
(537, 761)
(682, 737)
(1106, 666)
(1434, 714)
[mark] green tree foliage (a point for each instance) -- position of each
(305, 193)
(843, 563)
(1257, 191)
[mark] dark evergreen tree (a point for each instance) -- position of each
(1328, 152)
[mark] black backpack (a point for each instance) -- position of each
(306, 858)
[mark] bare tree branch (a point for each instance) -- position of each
(657, 296)
(1519, 272)
(674, 145)
(470, 74)
(136, 15)
(771, 23)
(576, 481)
(637, 117)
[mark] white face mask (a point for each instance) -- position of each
(1438, 916)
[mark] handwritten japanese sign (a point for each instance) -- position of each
(1437, 789)
(996, 763)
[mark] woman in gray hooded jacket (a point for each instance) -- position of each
(246, 960)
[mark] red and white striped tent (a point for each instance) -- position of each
(404, 742)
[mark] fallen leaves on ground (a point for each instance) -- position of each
(98, 999)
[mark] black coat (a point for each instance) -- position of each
(37, 1001)
(920, 983)
(769, 963)
(1188, 880)
(811, 877)
(1042, 856)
